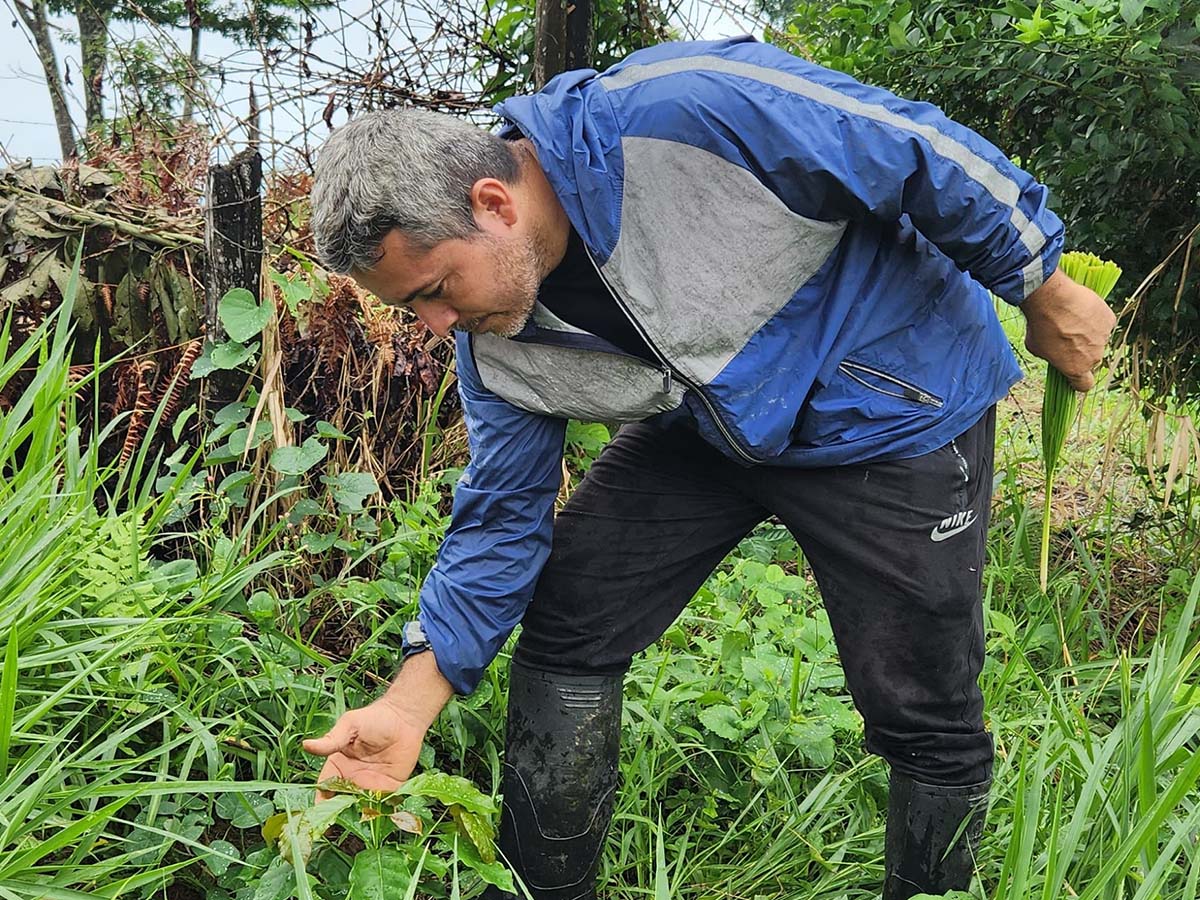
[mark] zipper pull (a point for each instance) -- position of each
(666, 380)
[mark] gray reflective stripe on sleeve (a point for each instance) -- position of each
(1002, 188)
(1033, 275)
(412, 633)
(699, 288)
(572, 383)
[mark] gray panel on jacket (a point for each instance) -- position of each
(1000, 186)
(571, 383)
(702, 286)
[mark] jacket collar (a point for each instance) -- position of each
(574, 129)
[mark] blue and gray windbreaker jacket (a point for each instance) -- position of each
(808, 257)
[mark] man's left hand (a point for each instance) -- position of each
(1068, 325)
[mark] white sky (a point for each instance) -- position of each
(27, 122)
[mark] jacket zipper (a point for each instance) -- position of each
(907, 391)
(668, 372)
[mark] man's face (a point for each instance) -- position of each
(486, 284)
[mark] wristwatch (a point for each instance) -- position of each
(413, 640)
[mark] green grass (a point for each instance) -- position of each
(156, 683)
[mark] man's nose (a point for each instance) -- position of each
(438, 317)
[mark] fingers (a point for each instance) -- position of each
(1084, 382)
(369, 776)
(370, 747)
(338, 739)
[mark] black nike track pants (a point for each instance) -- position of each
(897, 549)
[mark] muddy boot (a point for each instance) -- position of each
(922, 823)
(560, 779)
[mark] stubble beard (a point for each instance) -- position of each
(518, 264)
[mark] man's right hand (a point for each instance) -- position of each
(1068, 325)
(376, 746)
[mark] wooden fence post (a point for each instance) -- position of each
(233, 237)
(233, 241)
(563, 38)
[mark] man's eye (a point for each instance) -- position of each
(436, 292)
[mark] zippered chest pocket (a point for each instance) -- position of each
(887, 384)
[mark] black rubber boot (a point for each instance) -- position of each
(922, 823)
(560, 779)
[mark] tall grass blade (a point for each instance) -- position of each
(8, 700)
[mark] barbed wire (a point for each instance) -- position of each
(284, 96)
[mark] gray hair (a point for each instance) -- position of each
(408, 169)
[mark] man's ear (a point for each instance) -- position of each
(494, 204)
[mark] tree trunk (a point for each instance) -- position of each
(193, 80)
(563, 38)
(33, 14)
(92, 16)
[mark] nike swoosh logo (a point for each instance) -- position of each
(947, 529)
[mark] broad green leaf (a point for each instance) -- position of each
(722, 721)
(242, 317)
(752, 572)
(302, 830)
(234, 484)
(203, 366)
(294, 291)
(278, 882)
(350, 489)
(244, 810)
(734, 645)
(1131, 10)
(298, 460)
(768, 596)
(494, 873)
(235, 412)
(220, 856)
(815, 741)
(380, 874)
(753, 711)
(173, 575)
(241, 441)
(840, 714)
(318, 543)
(262, 606)
(448, 790)
(307, 507)
(231, 354)
(326, 430)
(273, 827)
(478, 830)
